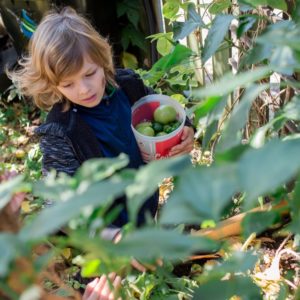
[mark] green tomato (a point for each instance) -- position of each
(146, 130)
(157, 126)
(168, 129)
(175, 125)
(165, 114)
(161, 133)
(143, 124)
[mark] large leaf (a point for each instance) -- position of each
(149, 177)
(53, 218)
(262, 170)
(231, 135)
(230, 82)
(148, 244)
(183, 29)
(225, 289)
(8, 248)
(201, 193)
(215, 36)
(257, 222)
(283, 60)
(283, 33)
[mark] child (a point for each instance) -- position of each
(69, 70)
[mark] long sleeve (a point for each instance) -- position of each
(58, 155)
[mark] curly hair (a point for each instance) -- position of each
(57, 50)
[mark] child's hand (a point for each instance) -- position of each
(99, 288)
(187, 142)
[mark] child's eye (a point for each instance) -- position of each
(90, 74)
(66, 85)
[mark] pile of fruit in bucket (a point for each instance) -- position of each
(164, 122)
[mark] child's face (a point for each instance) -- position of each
(86, 87)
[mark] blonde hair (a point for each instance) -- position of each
(56, 50)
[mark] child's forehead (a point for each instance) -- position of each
(87, 65)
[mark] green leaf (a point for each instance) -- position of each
(280, 4)
(282, 33)
(97, 169)
(257, 222)
(219, 6)
(292, 109)
(134, 16)
(164, 46)
(231, 135)
(238, 262)
(171, 8)
(295, 208)
(183, 29)
(178, 54)
(262, 170)
(257, 54)
(169, 245)
(229, 82)
(97, 194)
(130, 35)
(201, 193)
(215, 36)
(296, 12)
(149, 177)
(225, 289)
(9, 246)
(232, 154)
(212, 122)
(202, 109)
(129, 60)
(245, 23)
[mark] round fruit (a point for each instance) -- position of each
(146, 130)
(168, 129)
(20, 153)
(165, 114)
(157, 126)
(161, 133)
(143, 124)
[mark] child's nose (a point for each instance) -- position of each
(83, 88)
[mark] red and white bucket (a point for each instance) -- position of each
(156, 147)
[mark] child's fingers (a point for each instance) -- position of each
(89, 289)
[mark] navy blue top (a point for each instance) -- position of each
(110, 120)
